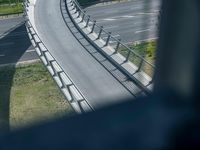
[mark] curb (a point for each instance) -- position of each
(8, 16)
(70, 91)
(140, 78)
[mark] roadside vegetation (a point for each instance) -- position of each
(31, 95)
(10, 6)
(145, 49)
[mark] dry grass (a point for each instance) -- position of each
(32, 96)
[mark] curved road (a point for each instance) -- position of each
(94, 81)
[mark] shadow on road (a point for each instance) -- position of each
(123, 79)
(12, 46)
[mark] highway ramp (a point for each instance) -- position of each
(98, 85)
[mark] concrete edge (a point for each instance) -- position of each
(72, 94)
(141, 78)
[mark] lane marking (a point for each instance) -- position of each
(109, 19)
(31, 50)
(2, 55)
(128, 16)
(149, 13)
(117, 35)
(111, 42)
(116, 18)
(140, 31)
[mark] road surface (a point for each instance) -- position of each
(15, 45)
(92, 78)
(131, 21)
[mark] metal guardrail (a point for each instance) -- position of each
(64, 82)
(139, 60)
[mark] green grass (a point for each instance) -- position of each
(146, 49)
(10, 9)
(28, 96)
(9, 2)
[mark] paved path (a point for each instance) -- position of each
(131, 21)
(15, 45)
(94, 81)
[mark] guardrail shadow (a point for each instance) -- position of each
(12, 47)
(97, 55)
(89, 3)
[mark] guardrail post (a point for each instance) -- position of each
(72, 4)
(76, 7)
(88, 20)
(140, 65)
(101, 29)
(61, 80)
(128, 55)
(118, 44)
(70, 92)
(108, 39)
(51, 64)
(83, 16)
(93, 26)
(79, 13)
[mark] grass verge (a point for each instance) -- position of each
(32, 96)
(10, 9)
(146, 49)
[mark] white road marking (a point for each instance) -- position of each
(109, 19)
(111, 42)
(149, 13)
(116, 18)
(2, 55)
(142, 31)
(31, 50)
(128, 16)
(116, 35)
(104, 37)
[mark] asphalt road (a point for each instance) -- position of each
(15, 45)
(95, 82)
(131, 21)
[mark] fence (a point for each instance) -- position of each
(129, 54)
(64, 82)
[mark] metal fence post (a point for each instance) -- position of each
(93, 26)
(118, 44)
(140, 65)
(127, 57)
(79, 13)
(83, 16)
(88, 20)
(101, 29)
(108, 39)
(76, 8)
